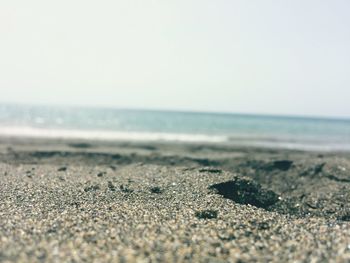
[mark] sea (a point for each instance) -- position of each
(107, 124)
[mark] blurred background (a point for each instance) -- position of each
(90, 69)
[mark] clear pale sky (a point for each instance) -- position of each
(271, 56)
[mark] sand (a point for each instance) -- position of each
(64, 201)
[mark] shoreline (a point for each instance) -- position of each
(66, 200)
(118, 138)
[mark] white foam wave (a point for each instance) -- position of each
(31, 132)
(253, 141)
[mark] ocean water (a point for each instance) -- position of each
(140, 125)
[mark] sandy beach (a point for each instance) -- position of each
(69, 201)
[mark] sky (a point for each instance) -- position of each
(267, 57)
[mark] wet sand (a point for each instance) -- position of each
(64, 201)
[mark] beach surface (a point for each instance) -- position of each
(69, 201)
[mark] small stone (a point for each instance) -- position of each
(283, 165)
(318, 168)
(62, 169)
(344, 215)
(207, 214)
(125, 189)
(210, 170)
(156, 190)
(101, 174)
(91, 188)
(111, 186)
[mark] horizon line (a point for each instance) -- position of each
(186, 111)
